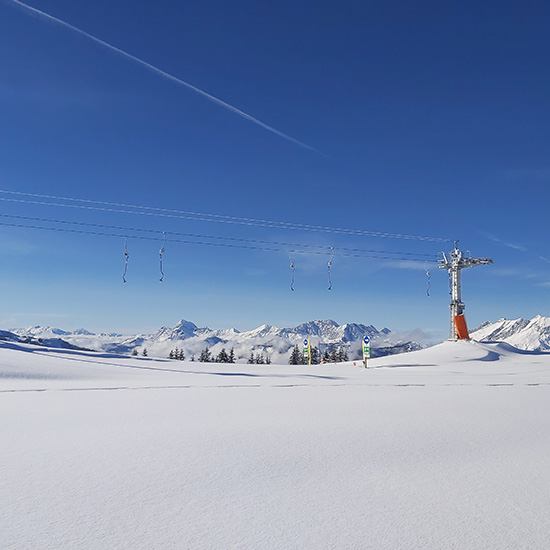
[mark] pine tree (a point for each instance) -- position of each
(326, 356)
(232, 355)
(333, 355)
(134, 352)
(144, 352)
(315, 355)
(267, 359)
(222, 357)
(251, 359)
(181, 355)
(259, 360)
(205, 356)
(295, 356)
(171, 354)
(341, 354)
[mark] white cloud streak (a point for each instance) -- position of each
(514, 246)
(166, 75)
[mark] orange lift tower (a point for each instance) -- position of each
(454, 264)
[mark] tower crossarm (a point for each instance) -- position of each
(473, 262)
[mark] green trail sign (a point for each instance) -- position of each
(366, 350)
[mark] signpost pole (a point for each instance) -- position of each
(307, 351)
(366, 351)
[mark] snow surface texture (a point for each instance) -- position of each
(275, 343)
(441, 448)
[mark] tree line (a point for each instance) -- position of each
(258, 359)
(331, 355)
(206, 356)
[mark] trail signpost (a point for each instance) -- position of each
(366, 350)
(307, 351)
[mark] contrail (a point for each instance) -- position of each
(515, 246)
(166, 75)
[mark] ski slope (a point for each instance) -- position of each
(446, 447)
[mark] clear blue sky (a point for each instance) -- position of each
(420, 118)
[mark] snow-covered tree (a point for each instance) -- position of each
(315, 355)
(222, 357)
(342, 355)
(205, 356)
(295, 356)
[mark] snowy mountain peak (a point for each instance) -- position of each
(38, 331)
(262, 330)
(540, 321)
(185, 328)
(83, 332)
(532, 335)
(185, 325)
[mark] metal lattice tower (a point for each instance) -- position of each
(454, 264)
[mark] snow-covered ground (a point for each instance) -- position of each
(442, 448)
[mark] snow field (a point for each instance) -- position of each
(442, 448)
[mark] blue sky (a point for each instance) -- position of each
(423, 119)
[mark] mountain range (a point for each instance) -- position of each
(275, 343)
(524, 334)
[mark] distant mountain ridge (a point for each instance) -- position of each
(524, 334)
(50, 341)
(267, 339)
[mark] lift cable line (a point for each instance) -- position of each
(381, 255)
(416, 256)
(120, 208)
